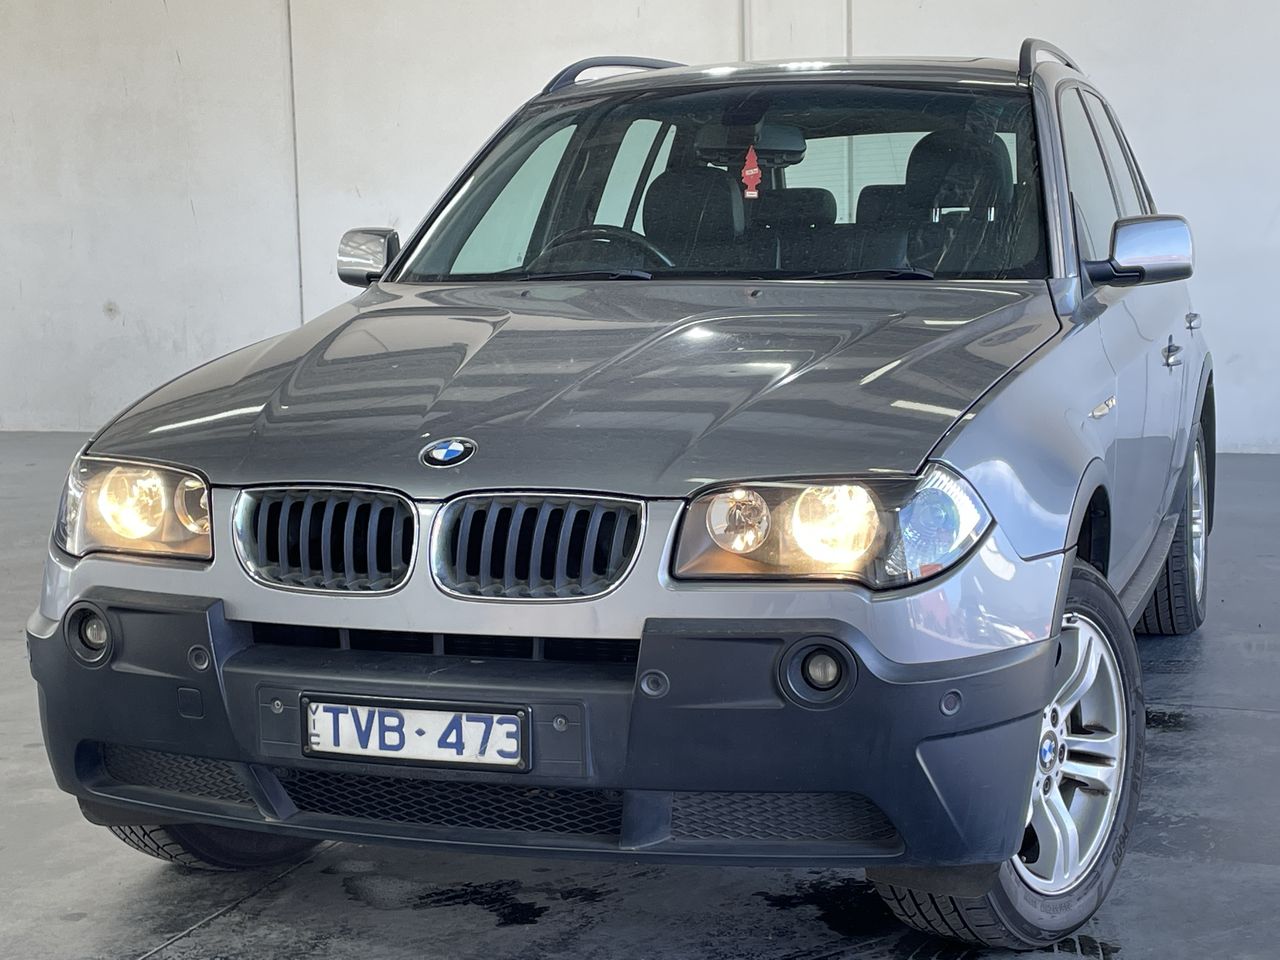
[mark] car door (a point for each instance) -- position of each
(1134, 335)
(1159, 313)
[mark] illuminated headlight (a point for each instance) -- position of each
(835, 525)
(738, 520)
(883, 533)
(118, 506)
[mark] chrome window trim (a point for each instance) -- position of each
(446, 506)
(243, 497)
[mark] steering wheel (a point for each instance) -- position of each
(609, 234)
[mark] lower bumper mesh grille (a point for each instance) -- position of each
(199, 776)
(696, 817)
(794, 817)
(464, 805)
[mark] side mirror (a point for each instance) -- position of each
(1155, 249)
(363, 254)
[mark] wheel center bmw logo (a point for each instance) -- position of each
(1048, 752)
(448, 452)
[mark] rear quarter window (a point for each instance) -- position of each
(847, 165)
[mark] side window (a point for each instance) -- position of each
(640, 158)
(1096, 209)
(500, 240)
(1126, 189)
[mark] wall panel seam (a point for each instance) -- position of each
(293, 124)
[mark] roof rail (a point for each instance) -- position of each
(569, 75)
(1030, 53)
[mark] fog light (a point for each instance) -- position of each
(88, 634)
(818, 672)
(94, 633)
(821, 670)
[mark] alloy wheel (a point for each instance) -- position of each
(1079, 763)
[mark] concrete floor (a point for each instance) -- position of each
(1202, 878)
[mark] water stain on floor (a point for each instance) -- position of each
(1172, 721)
(510, 902)
(848, 907)
(1090, 948)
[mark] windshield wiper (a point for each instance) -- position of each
(877, 273)
(586, 275)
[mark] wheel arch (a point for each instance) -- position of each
(1089, 528)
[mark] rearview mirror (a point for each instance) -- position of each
(1155, 249)
(363, 254)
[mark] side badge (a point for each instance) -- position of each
(448, 452)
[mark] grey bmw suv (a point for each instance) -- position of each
(760, 463)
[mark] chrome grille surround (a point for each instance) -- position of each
(535, 546)
(358, 540)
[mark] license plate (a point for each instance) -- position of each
(448, 734)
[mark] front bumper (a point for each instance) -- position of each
(722, 767)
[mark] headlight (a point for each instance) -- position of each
(883, 533)
(738, 520)
(123, 507)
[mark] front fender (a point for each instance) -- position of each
(1029, 444)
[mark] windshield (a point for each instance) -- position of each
(758, 181)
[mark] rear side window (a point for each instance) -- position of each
(1095, 204)
(847, 166)
(1127, 191)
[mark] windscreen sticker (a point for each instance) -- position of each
(751, 174)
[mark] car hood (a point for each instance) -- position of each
(639, 387)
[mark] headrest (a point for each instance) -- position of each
(956, 168)
(877, 200)
(691, 205)
(795, 207)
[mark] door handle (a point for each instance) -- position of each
(1170, 354)
(1105, 407)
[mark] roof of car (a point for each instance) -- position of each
(931, 69)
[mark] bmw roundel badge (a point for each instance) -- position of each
(448, 452)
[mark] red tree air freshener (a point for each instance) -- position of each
(751, 174)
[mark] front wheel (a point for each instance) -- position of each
(213, 848)
(1084, 795)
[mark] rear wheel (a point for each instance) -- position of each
(1178, 604)
(1084, 795)
(213, 848)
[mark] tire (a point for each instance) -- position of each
(1177, 608)
(214, 848)
(1014, 914)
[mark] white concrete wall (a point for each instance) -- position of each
(146, 197)
(151, 215)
